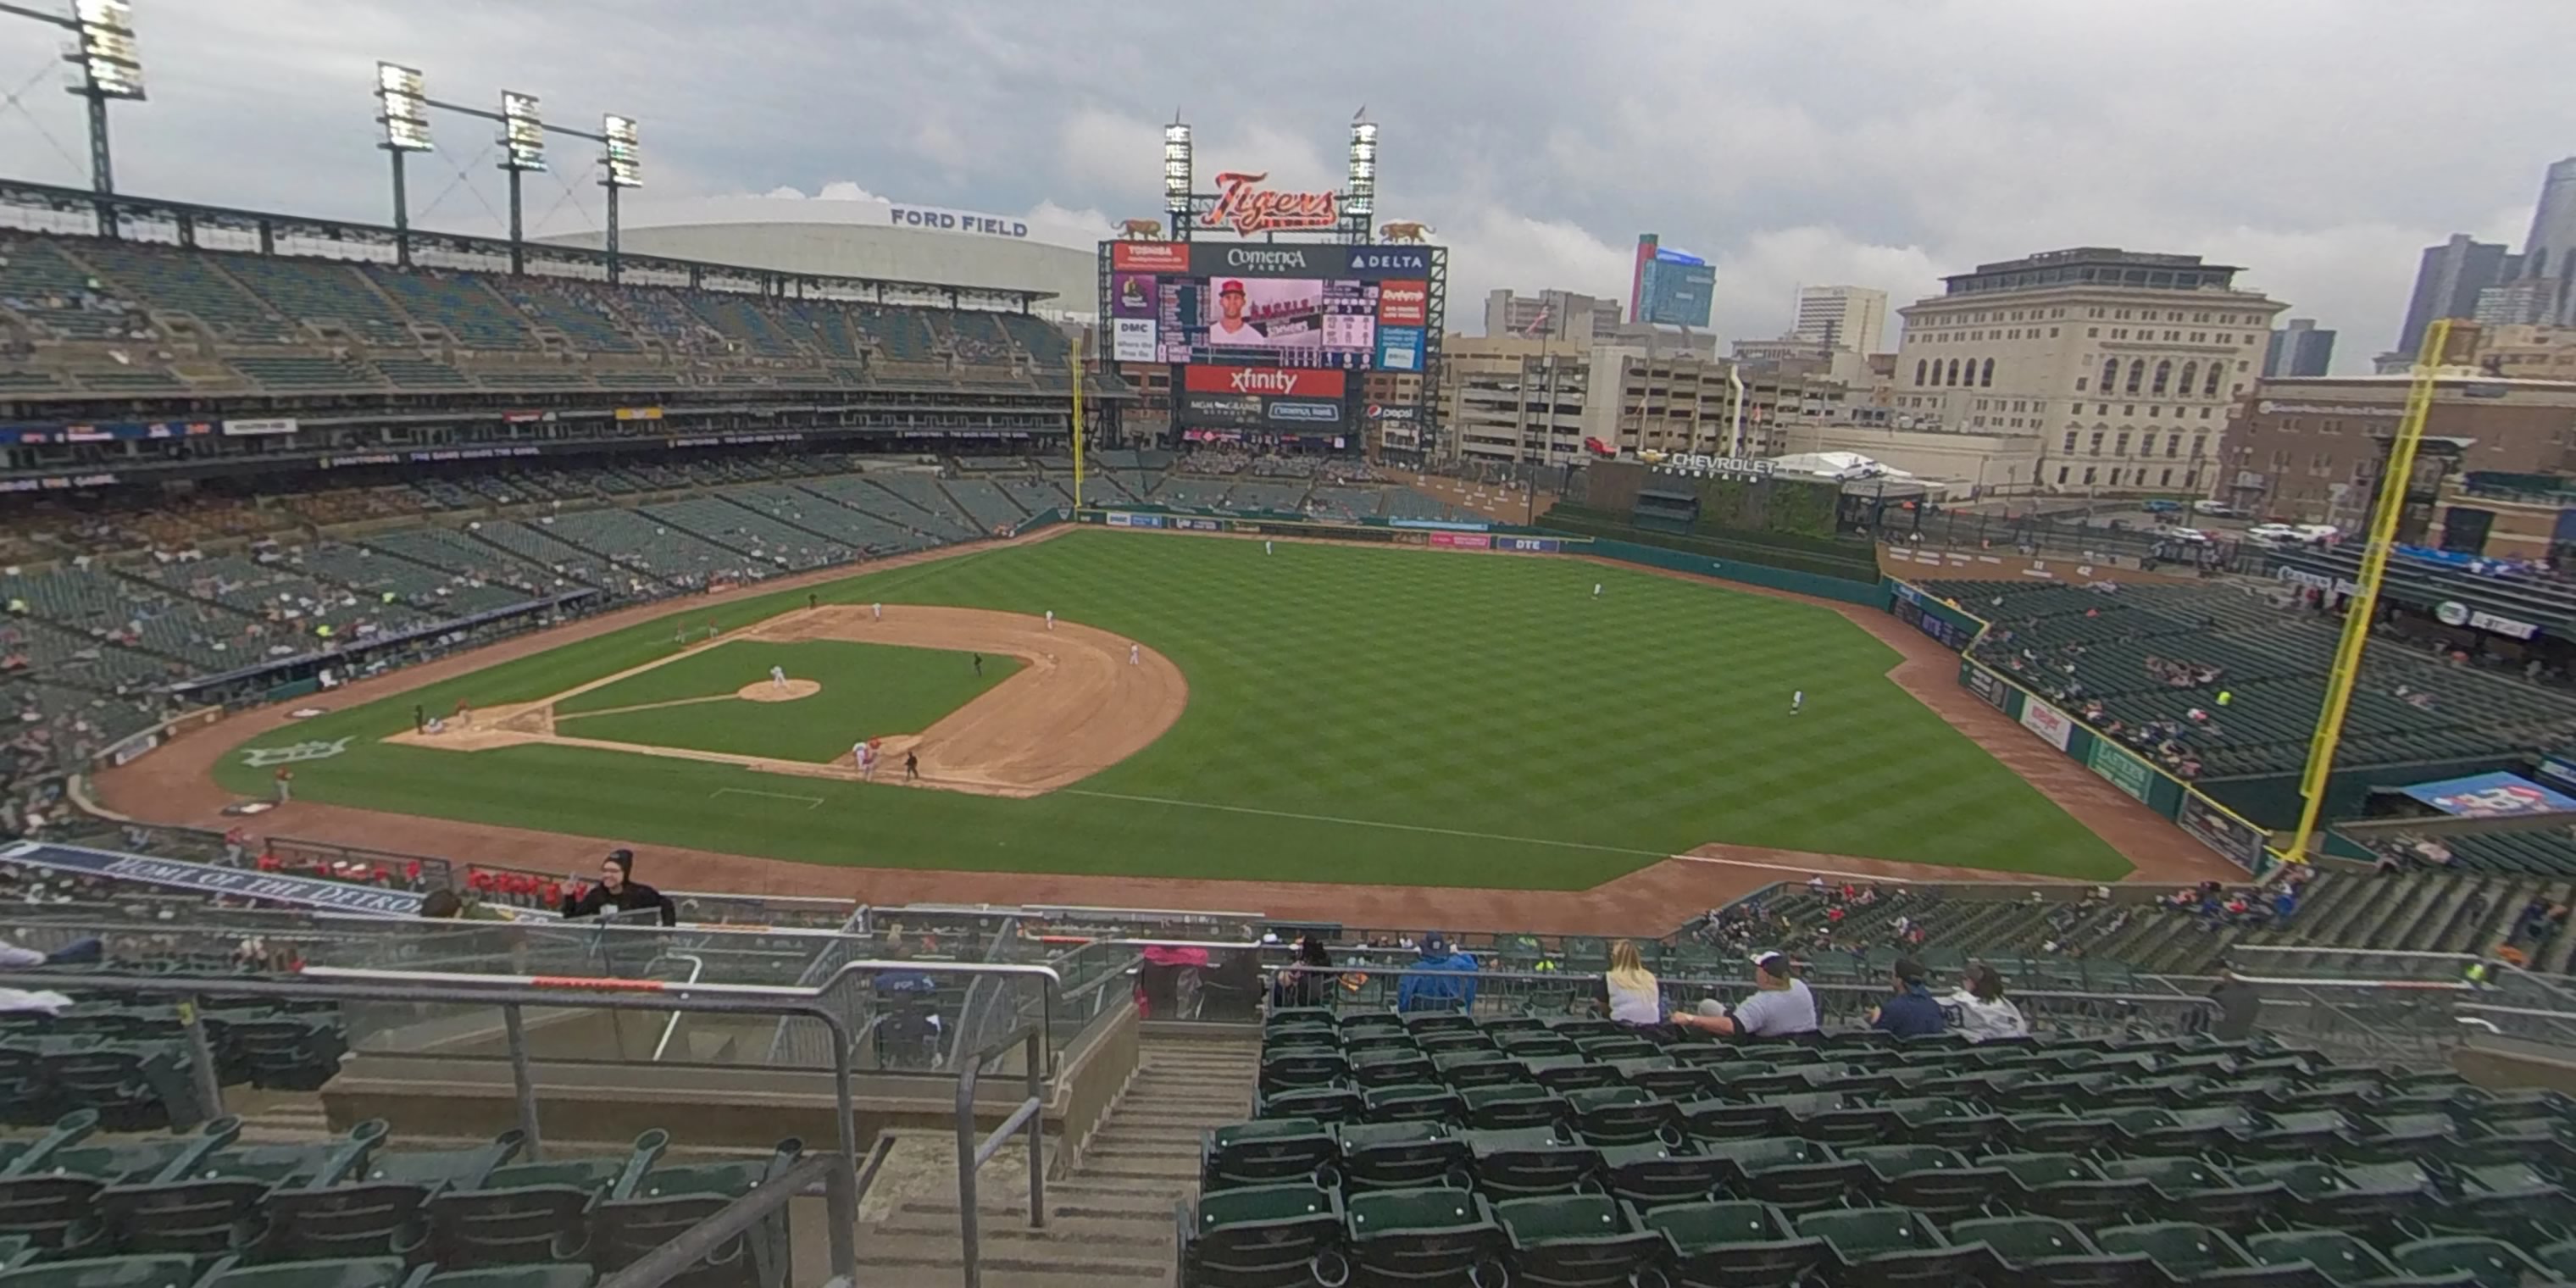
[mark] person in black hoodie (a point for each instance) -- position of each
(617, 889)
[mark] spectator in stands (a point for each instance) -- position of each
(1911, 1010)
(2240, 1004)
(1630, 989)
(617, 890)
(1781, 1005)
(1451, 988)
(12, 957)
(1309, 980)
(445, 905)
(1979, 1010)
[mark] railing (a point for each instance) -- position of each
(972, 1154)
(691, 1246)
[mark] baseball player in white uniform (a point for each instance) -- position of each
(1265, 547)
(778, 678)
(1135, 655)
(1050, 619)
(859, 756)
(876, 612)
(1797, 700)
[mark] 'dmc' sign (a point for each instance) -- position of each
(1248, 208)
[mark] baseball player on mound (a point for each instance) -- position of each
(778, 678)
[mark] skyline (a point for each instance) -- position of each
(1858, 146)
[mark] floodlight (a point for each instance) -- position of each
(1176, 166)
(1359, 196)
(523, 136)
(625, 163)
(105, 56)
(404, 107)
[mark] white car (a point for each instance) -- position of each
(2274, 534)
(2187, 534)
(2216, 509)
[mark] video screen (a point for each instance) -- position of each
(1289, 322)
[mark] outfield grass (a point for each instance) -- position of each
(869, 690)
(1355, 714)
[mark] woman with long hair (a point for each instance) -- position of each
(1635, 997)
(1979, 1010)
(1308, 981)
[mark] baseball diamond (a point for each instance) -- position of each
(1325, 713)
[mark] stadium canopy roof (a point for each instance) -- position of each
(49, 208)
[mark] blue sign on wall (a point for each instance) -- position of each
(1399, 348)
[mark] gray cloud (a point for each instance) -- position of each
(2319, 143)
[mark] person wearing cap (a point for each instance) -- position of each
(1454, 989)
(617, 889)
(1781, 1005)
(1912, 1011)
(1231, 327)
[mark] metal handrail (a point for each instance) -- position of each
(697, 968)
(512, 994)
(972, 1154)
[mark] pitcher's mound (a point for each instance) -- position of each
(768, 691)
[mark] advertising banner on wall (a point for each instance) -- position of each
(272, 425)
(1399, 348)
(2120, 769)
(1149, 257)
(1986, 684)
(2235, 840)
(1272, 382)
(1461, 541)
(1132, 339)
(2051, 724)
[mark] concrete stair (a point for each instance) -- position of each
(1109, 1222)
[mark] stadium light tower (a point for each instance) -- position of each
(523, 148)
(624, 166)
(1177, 178)
(402, 108)
(104, 67)
(1359, 190)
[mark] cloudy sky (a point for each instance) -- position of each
(2319, 143)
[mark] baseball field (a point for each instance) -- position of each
(1201, 708)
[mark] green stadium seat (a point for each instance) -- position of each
(1570, 1073)
(2336, 1256)
(2357, 1197)
(382, 1211)
(1654, 1174)
(1265, 1236)
(1355, 1045)
(1952, 1124)
(1884, 1247)
(2189, 1189)
(1833, 1118)
(2056, 1133)
(2196, 1254)
(1480, 1067)
(1707, 1120)
(2069, 1188)
(1412, 1103)
(1623, 1115)
(206, 1209)
(1332, 1104)
(1435, 1042)
(554, 1276)
(529, 1213)
(2489, 1263)
(2044, 1252)
(1664, 1076)
(347, 1272)
(1281, 1070)
(1405, 1067)
(1266, 1151)
(1399, 1156)
(1786, 1172)
(2180, 1131)
(1518, 1104)
(1733, 1245)
(625, 1227)
(104, 1272)
(1522, 1162)
(1928, 1178)
(1401, 1235)
(1575, 1241)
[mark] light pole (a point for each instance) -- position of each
(106, 68)
(402, 108)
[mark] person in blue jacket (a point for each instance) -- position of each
(1435, 992)
(1912, 1011)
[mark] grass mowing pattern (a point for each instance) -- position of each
(1356, 714)
(868, 690)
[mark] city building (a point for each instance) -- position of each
(1563, 315)
(2524, 301)
(2528, 352)
(2507, 516)
(1846, 317)
(2309, 451)
(2447, 284)
(1518, 399)
(2298, 349)
(2549, 250)
(2126, 365)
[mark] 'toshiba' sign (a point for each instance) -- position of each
(1248, 208)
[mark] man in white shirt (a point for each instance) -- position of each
(12, 957)
(1781, 1005)
(1231, 327)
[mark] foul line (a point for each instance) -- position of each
(562, 716)
(810, 801)
(1362, 822)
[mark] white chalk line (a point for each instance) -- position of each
(810, 801)
(1800, 868)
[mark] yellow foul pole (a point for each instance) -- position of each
(1077, 420)
(2363, 608)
